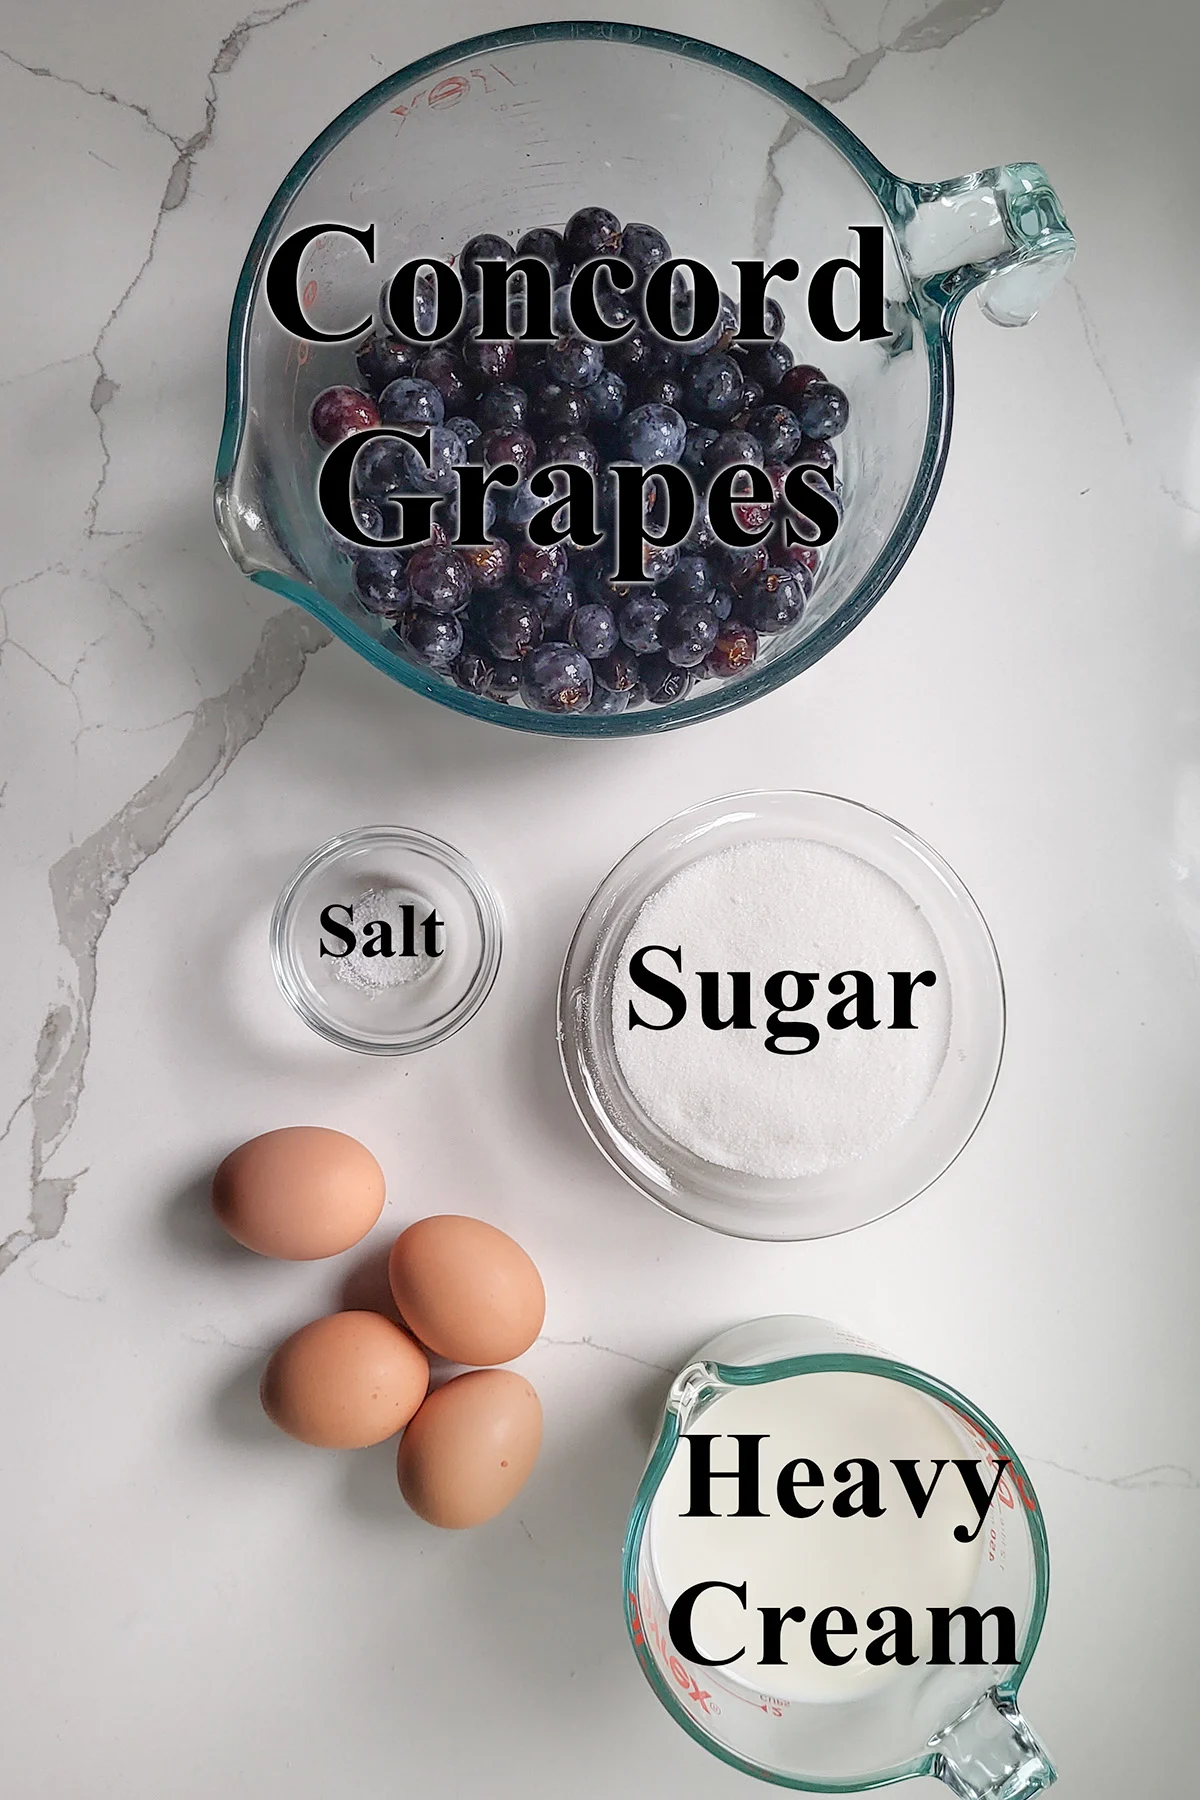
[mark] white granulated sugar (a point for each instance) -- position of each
(380, 974)
(767, 906)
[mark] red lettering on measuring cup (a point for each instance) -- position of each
(688, 1684)
(993, 1460)
(635, 1620)
(449, 91)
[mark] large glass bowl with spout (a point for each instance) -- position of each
(522, 127)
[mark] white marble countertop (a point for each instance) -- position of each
(191, 1604)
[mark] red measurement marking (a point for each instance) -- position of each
(310, 292)
(995, 1456)
(450, 91)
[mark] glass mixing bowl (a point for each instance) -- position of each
(520, 128)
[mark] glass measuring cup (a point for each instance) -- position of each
(520, 128)
(958, 1723)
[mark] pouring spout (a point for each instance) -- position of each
(1001, 231)
(991, 1753)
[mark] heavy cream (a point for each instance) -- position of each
(868, 1502)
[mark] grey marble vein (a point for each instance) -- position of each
(1091, 339)
(90, 878)
(1162, 1475)
(587, 1343)
(174, 195)
(770, 195)
(948, 20)
(133, 106)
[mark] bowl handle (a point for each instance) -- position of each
(1000, 230)
(991, 1753)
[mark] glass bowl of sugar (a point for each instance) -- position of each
(781, 1015)
(386, 940)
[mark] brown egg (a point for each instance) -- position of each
(470, 1449)
(344, 1382)
(466, 1290)
(299, 1193)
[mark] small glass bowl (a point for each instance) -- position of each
(851, 1193)
(386, 1005)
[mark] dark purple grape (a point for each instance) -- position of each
(438, 579)
(512, 626)
(434, 639)
(424, 309)
(628, 358)
(659, 561)
(644, 247)
(548, 247)
(574, 362)
(618, 671)
(778, 431)
(381, 469)
(733, 447)
(818, 453)
(734, 651)
(556, 679)
(654, 434)
(518, 506)
(662, 358)
(506, 678)
(491, 360)
(690, 580)
(773, 600)
(593, 630)
(382, 359)
(475, 671)
(592, 231)
(561, 409)
(661, 390)
(487, 564)
(796, 556)
(379, 579)
(665, 682)
(485, 247)
(773, 317)
(722, 603)
(339, 411)
(700, 440)
(689, 633)
(438, 474)
(411, 401)
(572, 447)
(607, 703)
(447, 371)
(768, 364)
(504, 445)
(370, 519)
(796, 383)
(541, 570)
(503, 408)
(752, 395)
(714, 386)
(738, 566)
(640, 623)
(557, 611)
(467, 431)
(718, 337)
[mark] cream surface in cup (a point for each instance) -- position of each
(838, 1557)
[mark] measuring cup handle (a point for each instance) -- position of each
(991, 1753)
(1000, 230)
